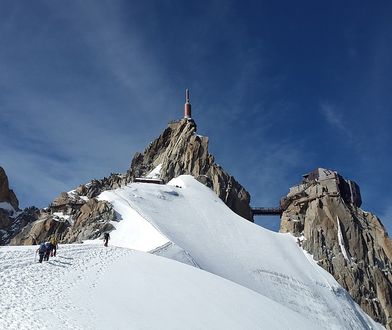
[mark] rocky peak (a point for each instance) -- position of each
(324, 213)
(179, 150)
(77, 215)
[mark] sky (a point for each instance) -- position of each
(280, 88)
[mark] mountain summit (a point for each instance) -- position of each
(179, 150)
(324, 213)
(78, 215)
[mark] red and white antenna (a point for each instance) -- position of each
(187, 107)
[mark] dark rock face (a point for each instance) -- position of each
(12, 219)
(348, 242)
(11, 224)
(181, 151)
(6, 194)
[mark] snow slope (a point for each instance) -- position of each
(92, 287)
(250, 278)
(197, 222)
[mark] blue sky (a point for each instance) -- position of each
(280, 87)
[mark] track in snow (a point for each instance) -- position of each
(29, 290)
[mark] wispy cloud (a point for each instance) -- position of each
(62, 126)
(333, 117)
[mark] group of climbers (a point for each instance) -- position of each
(47, 249)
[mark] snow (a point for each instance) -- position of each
(92, 287)
(63, 217)
(192, 217)
(155, 173)
(226, 272)
(341, 241)
(133, 231)
(8, 207)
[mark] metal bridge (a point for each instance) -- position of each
(266, 211)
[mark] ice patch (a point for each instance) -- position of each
(341, 240)
(155, 173)
(7, 207)
(63, 217)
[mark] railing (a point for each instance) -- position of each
(267, 211)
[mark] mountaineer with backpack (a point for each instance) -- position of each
(48, 247)
(53, 242)
(41, 251)
(106, 238)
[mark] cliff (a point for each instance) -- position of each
(324, 213)
(12, 219)
(179, 150)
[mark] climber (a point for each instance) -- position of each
(106, 239)
(53, 242)
(48, 247)
(41, 252)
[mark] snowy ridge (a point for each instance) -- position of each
(249, 277)
(174, 252)
(192, 217)
(132, 231)
(91, 287)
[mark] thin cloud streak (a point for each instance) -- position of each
(85, 84)
(90, 137)
(333, 117)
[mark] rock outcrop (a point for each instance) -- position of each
(351, 244)
(12, 219)
(179, 150)
(70, 219)
(6, 194)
